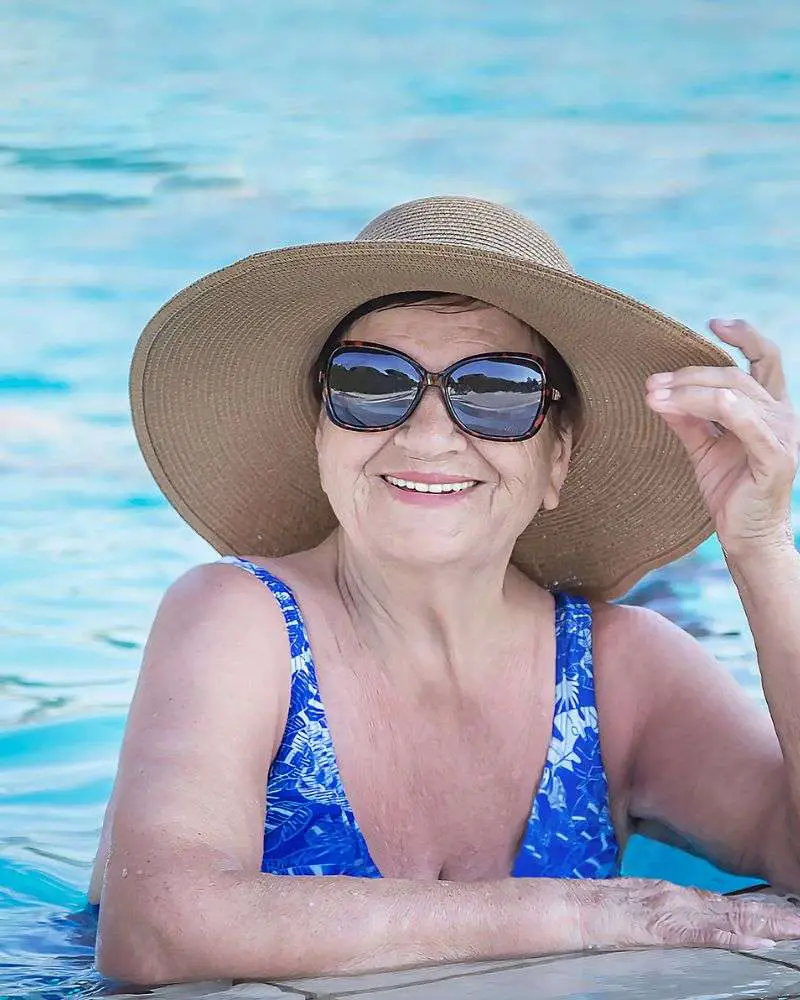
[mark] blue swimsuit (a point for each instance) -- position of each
(311, 830)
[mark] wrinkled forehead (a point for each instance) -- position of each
(436, 335)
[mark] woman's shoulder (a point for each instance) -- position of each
(217, 634)
(619, 630)
(218, 599)
(285, 594)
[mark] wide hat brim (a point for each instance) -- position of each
(225, 416)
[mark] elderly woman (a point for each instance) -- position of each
(404, 678)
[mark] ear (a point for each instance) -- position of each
(559, 466)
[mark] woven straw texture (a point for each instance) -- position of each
(223, 410)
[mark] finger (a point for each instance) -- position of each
(711, 935)
(733, 412)
(696, 435)
(739, 942)
(729, 377)
(780, 416)
(764, 917)
(734, 924)
(763, 354)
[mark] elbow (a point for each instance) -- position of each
(150, 938)
(123, 955)
(127, 965)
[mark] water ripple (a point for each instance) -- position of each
(81, 201)
(90, 158)
(30, 383)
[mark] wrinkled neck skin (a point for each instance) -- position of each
(433, 622)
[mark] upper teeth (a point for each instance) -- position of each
(404, 484)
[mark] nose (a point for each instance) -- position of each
(430, 431)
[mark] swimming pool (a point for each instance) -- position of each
(143, 144)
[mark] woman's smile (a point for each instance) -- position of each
(428, 489)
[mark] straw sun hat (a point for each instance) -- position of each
(225, 416)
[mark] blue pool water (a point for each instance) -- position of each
(144, 144)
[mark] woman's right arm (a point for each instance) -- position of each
(183, 897)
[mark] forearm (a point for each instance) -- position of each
(769, 585)
(274, 927)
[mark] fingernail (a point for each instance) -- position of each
(661, 394)
(757, 944)
(660, 378)
(753, 944)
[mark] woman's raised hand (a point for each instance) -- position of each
(742, 436)
(647, 913)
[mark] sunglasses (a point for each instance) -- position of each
(497, 397)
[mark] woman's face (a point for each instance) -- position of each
(513, 480)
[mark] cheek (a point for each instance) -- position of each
(527, 467)
(341, 457)
(333, 458)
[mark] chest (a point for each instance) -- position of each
(440, 781)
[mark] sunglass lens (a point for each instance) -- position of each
(369, 390)
(497, 398)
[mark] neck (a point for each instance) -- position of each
(434, 621)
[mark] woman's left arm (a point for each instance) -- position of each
(769, 585)
(741, 434)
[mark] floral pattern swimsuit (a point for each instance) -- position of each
(311, 830)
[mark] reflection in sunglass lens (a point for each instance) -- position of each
(370, 389)
(496, 397)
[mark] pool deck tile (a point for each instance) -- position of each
(685, 974)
